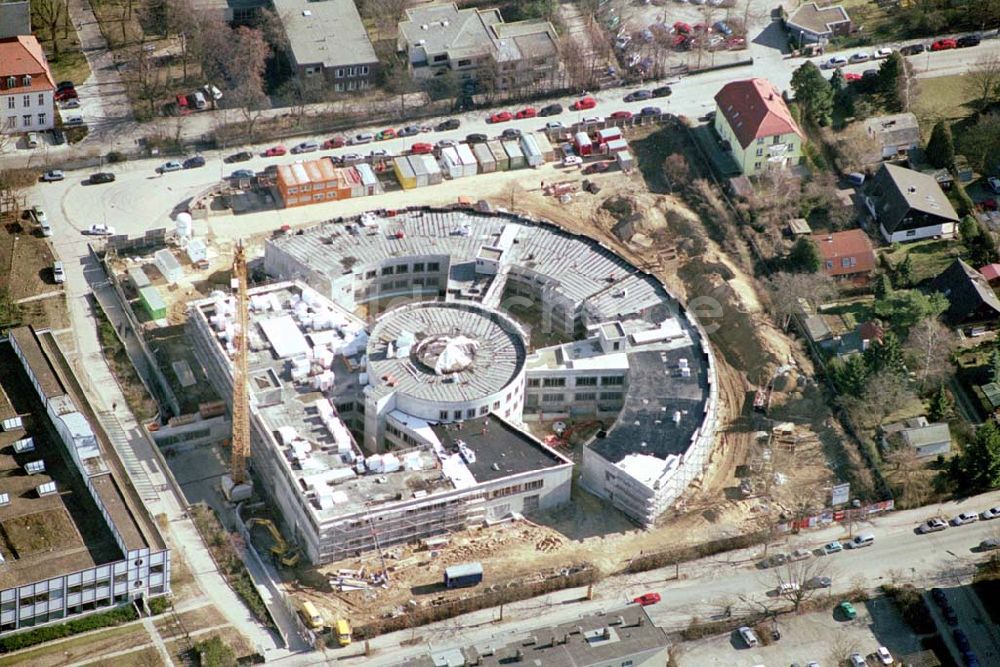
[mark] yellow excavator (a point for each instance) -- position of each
(281, 551)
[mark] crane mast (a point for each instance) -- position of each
(239, 483)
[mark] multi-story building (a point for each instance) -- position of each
(756, 126)
(26, 86)
(77, 535)
(327, 38)
(476, 44)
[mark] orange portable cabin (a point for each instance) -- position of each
(311, 182)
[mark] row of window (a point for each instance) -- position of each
(12, 81)
(351, 85)
(358, 70)
(516, 488)
(418, 267)
(588, 381)
(26, 120)
(25, 101)
(579, 397)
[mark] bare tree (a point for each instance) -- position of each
(50, 13)
(983, 80)
(146, 80)
(675, 170)
(574, 61)
(236, 59)
(907, 468)
(885, 392)
(929, 344)
(799, 581)
(790, 292)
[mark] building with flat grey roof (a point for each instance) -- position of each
(624, 636)
(478, 44)
(327, 37)
(15, 18)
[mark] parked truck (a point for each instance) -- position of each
(311, 616)
(466, 574)
(342, 630)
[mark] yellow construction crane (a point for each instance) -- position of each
(238, 486)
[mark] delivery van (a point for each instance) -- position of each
(342, 630)
(311, 616)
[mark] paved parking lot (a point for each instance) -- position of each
(820, 636)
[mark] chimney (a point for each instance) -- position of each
(519, 656)
(621, 620)
(642, 620)
(565, 638)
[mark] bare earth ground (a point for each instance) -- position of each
(587, 531)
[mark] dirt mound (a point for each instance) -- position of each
(627, 215)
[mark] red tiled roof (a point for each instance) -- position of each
(871, 330)
(991, 272)
(852, 244)
(754, 108)
(23, 55)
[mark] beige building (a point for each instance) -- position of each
(756, 126)
(477, 44)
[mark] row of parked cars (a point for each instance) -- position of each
(938, 524)
(946, 44)
(958, 634)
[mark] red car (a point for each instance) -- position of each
(526, 112)
(420, 149)
(597, 168)
(682, 28)
(851, 76)
(621, 115)
(500, 117)
(988, 204)
(335, 142)
(647, 599)
(944, 45)
(275, 151)
(389, 133)
(66, 94)
(584, 103)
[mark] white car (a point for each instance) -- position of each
(100, 230)
(835, 62)
(994, 184)
(172, 165)
(592, 119)
(787, 587)
(572, 161)
(363, 138)
(53, 175)
(884, 656)
(306, 147)
(379, 152)
(72, 103)
(991, 513)
(964, 518)
(749, 638)
(58, 274)
(860, 57)
(932, 526)
(445, 143)
(31, 140)
(884, 52)
(73, 121)
(554, 125)
(39, 215)
(858, 660)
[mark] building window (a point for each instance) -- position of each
(338, 87)
(441, 58)
(26, 120)
(829, 263)
(533, 382)
(401, 268)
(433, 266)
(364, 69)
(443, 414)
(386, 270)
(340, 72)
(26, 100)
(483, 410)
(586, 396)
(756, 165)
(616, 380)
(10, 102)
(12, 121)
(41, 119)
(496, 405)
(611, 396)
(777, 139)
(554, 382)
(464, 63)
(760, 152)
(586, 382)
(552, 398)
(791, 147)
(418, 267)
(470, 413)
(457, 414)
(41, 99)
(911, 232)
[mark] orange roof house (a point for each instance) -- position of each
(25, 77)
(846, 255)
(754, 122)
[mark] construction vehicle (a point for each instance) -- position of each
(342, 630)
(311, 616)
(281, 551)
(237, 485)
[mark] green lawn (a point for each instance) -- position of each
(851, 313)
(929, 257)
(942, 98)
(71, 65)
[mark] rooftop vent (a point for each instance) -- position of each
(307, 12)
(424, 26)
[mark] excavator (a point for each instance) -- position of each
(281, 551)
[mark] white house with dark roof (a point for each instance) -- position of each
(812, 24)
(908, 205)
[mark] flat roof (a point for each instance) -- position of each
(500, 450)
(329, 32)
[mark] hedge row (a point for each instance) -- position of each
(76, 626)
(660, 559)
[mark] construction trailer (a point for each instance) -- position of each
(514, 154)
(487, 163)
(369, 181)
(467, 160)
(583, 144)
(168, 265)
(607, 134)
(404, 173)
(499, 154)
(465, 574)
(153, 303)
(451, 163)
(532, 153)
(427, 169)
(545, 146)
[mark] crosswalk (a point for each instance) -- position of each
(136, 472)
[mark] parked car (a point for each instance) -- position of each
(450, 124)
(554, 125)
(421, 148)
(932, 526)
(242, 173)
(883, 655)
(621, 115)
(526, 112)
(387, 133)
(944, 45)
(858, 660)
(379, 152)
(597, 167)
(832, 547)
(408, 131)
(242, 156)
(58, 136)
(551, 110)
(334, 142)
(819, 582)
(913, 49)
(860, 57)
(647, 599)
(884, 52)
(637, 95)
(194, 162)
(31, 140)
(71, 103)
(786, 587)
(964, 518)
(572, 161)
(591, 120)
(799, 554)
(58, 272)
(749, 638)
(861, 541)
(53, 175)
(584, 103)
(651, 111)
(38, 213)
(939, 597)
(662, 91)
(306, 147)
(774, 560)
(994, 184)
(445, 143)
(966, 41)
(101, 177)
(848, 610)
(65, 94)
(852, 76)
(961, 640)
(351, 158)
(476, 138)
(834, 62)
(722, 28)
(949, 614)
(170, 165)
(500, 117)
(993, 512)
(511, 133)
(869, 75)
(100, 230)
(63, 85)
(361, 138)
(73, 121)
(275, 151)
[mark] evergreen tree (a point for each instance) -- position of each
(883, 286)
(813, 93)
(968, 230)
(979, 466)
(942, 405)
(890, 75)
(804, 256)
(941, 148)
(995, 365)
(885, 356)
(904, 272)
(837, 80)
(851, 375)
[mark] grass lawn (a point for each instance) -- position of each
(929, 257)
(852, 313)
(71, 65)
(942, 98)
(81, 648)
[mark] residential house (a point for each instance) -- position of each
(971, 301)
(799, 227)
(894, 136)
(846, 255)
(812, 24)
(856, 341)
(478, 45)
(925, 439)
(15, 18)
(908, 205)
(327, 37)
(756, 126)
(26, 86)
(992, 274)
